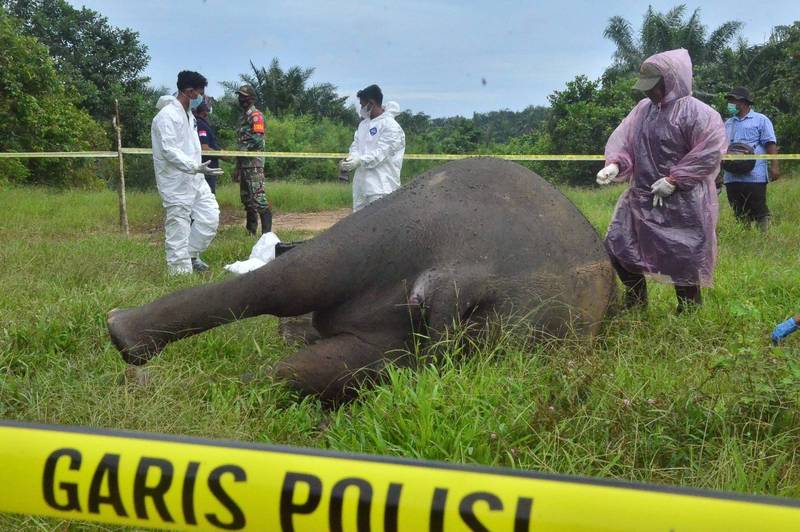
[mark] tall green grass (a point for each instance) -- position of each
(700, 399)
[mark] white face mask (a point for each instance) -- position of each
(365, 111)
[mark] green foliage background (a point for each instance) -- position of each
(40, 113)
(62, 69)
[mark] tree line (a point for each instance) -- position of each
(61, 68)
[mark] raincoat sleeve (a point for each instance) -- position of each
(391, 141)
(706, 135)
(619, 148)
(167, 136)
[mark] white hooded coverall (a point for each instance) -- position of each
(191, 210)
(380, 144)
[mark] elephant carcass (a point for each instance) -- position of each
(465, 241)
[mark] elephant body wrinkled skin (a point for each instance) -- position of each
(464, 242)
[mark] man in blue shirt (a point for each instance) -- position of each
(747, 193)
(208, 141)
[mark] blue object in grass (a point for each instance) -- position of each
(782, 330)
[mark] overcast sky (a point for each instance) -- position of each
(429, 55)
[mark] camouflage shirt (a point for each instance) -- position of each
(250, 137)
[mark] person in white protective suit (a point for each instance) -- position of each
(377, 150)
(191, 210)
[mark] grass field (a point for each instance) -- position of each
(695, 400)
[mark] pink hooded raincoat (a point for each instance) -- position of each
(681, 137)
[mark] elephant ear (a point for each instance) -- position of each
(448, 296)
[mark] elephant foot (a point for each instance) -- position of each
(135, 349)
(333, 368)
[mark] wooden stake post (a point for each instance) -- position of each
(123, 208)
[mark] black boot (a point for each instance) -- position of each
(689, 298)
(635, 293)
(635, 286)
(252, 222)
(266, 221)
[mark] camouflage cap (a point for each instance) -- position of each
(246, 90)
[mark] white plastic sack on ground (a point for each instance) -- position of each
(244, 266)
(263, 252)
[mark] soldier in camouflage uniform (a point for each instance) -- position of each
(250, 170)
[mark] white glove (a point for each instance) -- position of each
(204, 169)
(661, 189)
(352, 162)
(607, 174)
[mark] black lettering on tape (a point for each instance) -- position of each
(64, 490)
(522, 519)
(70, 488)
(392, 507)
(187, 498)
(142, 491)
(237, 516)
(287, 506)
(436, 522)
(468, 514)
(108, 467)
(337, 500)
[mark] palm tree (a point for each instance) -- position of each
(755, 66)
(666, 31)
(285, 92)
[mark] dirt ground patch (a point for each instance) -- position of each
(229, 216)
(309, 221)
(295, 221)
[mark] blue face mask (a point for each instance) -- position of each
(194, 103)
(732, 110)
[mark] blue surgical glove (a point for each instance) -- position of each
(782, 330)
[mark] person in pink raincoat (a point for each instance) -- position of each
(669, 149)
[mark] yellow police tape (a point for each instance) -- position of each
(58, 154)
(314, 155)
(177, 483)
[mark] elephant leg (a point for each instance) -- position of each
(449, 297)
(335, 367)
(296, 283)
(447, 310)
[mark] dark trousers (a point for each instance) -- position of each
(212, 183)
(253, 194)
(212, 179)
(636, 289)
(748, 201)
